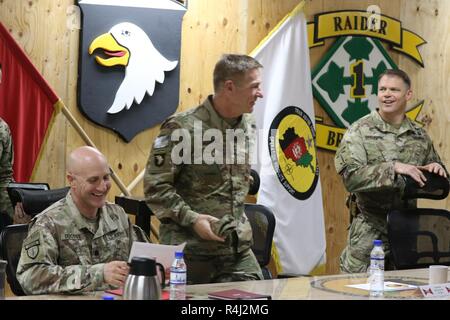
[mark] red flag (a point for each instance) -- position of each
(26, 103)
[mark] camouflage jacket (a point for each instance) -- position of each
(365, 160)
(62, 253)
(6, 164)
(178, 192)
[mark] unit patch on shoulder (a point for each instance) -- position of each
(32, 249)
(159, 159)
(161, 142)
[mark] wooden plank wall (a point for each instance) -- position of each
(211, 28)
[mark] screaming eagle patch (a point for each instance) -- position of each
(159, 160)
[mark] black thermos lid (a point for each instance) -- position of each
(141, 266)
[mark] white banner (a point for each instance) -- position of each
(287, 155)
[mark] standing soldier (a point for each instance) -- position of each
(6, 172)
(199, 201)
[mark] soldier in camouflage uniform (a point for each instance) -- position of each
(6, 171)
(375, 154)
(200, 201)
(82, 242)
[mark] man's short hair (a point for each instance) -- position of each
(399, 73)
(233, 67)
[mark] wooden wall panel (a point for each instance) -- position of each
(431, 20)
(211, 28)
(36, 25)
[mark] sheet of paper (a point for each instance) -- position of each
(163, 253)
(388, 286)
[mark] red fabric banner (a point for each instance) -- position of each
(26, 104)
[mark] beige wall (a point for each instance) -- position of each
(210, 28)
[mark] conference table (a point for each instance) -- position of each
(327, 287)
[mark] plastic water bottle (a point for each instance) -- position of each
(178, 278)
(376, 269)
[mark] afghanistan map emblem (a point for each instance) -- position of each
(129, 63)
(293, 152)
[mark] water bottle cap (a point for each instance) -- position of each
(179, 255)
(377, 242)
(107, 297)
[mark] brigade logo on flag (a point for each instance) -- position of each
(345, 81)
(129, 63)
(293, 152)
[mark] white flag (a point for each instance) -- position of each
(287, 155)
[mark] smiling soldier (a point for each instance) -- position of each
(82, 242)
(375, 154)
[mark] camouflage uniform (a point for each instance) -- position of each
(6, 170)
(64, 254)
(365, 160)
(178, 193)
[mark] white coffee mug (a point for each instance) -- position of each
(438, 274)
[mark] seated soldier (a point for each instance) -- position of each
(82, 242)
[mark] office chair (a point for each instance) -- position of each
(35, 201)
(256, 182)
(29, 185)
(419, 237)
(12, 186)
(5, 219)
(11, 239)
(262, 221)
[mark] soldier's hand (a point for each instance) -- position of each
(412, 171)
(19, 214)
(115, 273)
(202, 226)
(434, 168)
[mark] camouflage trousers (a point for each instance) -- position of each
(356, 255)
(225, 268)
(5, 203)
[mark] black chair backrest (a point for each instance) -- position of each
(11, 239)
(419, 237)
(254, 186)
(35, 201)
(24, 186)
(436, 187)
(262, 221)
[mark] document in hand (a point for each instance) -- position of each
(163, 253)
(237, 294)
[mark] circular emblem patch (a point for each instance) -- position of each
(293, 152)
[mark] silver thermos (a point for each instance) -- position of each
(142, 282)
